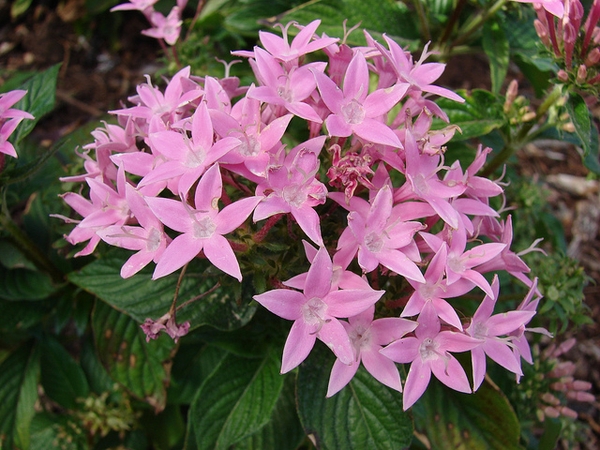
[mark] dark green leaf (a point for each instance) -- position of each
(40, 98)
(235, 401)
(364, 415)
(227, 307)
(143, 368)
(19, 316)
(392, 18)
(192, 365)
(480, 114)
(18, 392)
(165, 430)
(496, 47)
(24, 284)
(63, 378)
(450, 419)
(57, 432)
(283, 431)
(96, 375)
(12, 258)
(585, 130)
(19, 7)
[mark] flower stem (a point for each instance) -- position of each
(474, 25)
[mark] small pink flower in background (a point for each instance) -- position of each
(315, 312)
(10, 119)
(429, 352)
(166, 323)
(167, 28)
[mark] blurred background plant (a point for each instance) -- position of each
(75, 369)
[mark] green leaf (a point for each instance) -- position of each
(19, 7)
(13, 258)
(191, 366)
(364, 415)
(496, 47)
(19, 316)
(585, 130)
(63, 378)
(390, 17)
(451, 419)
(18, 392)
(480, 113)
(283, 431)
(57, 431)
(24, 284)
(226, 307)
(142, 367)
(40, 99)
(235, 401)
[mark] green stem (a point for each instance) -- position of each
(525, 134)
(472, 26)
(422, 19)
(29, 248)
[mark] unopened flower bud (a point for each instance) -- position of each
(593, 57)
(567, 412)
(528, 116)
(562, 76)
(511, 94)
(581, 396)
(580, 385)
(550, 399)
(542, 32)
(581, 74)
(551, 412)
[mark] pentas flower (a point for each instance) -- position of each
(462, 263)
(428, 351)
(301, 45)
(489, 329)
(315, 312)
(149, 239)
(368, 336)
(378, 237)
(167, 28)
(354, 110)
(10, 119)
(188, 158)
(435, 290)
(202, 227)
(286, 89)
(424, 182)
(292, 188)
(554, 7)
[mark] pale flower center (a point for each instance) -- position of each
(204, 228)
(153, 240)
(194, 158)
(456, 265)
(479, 330)
(285, 93)
(427, 291)
(313, 311)
(428, 349)
(374, 242)
(361, 337)
(250, 146)
(353, 112)
(294, 195)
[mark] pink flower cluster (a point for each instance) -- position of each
(158, 181)
(10, 118)
(166, 28)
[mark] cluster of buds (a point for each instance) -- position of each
(574, 43)
(186, 168)
(9, 119)
(562, 383)
(163, 27)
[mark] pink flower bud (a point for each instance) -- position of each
(562, 76)
(580, 385)
(581, 396)
(551, 412)
(542, 32)
(567, 412)
(581, 74)
(550, 399)
(593, 57)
